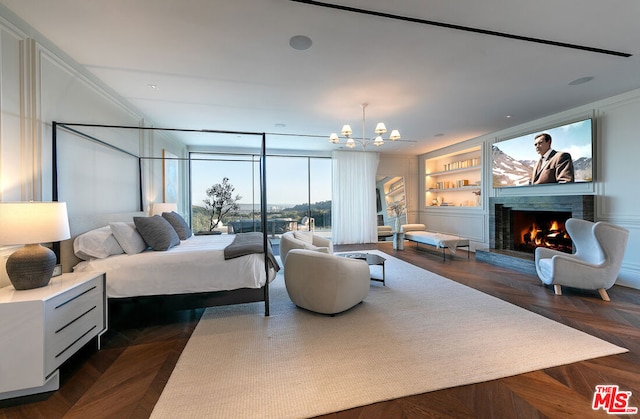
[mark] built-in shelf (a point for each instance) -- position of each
(462, 188)
(454, 171)
(392, 190)
(454, 179)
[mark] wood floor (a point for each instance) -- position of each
(125, 378)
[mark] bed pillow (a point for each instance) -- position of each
(128, 237)
(157, 232)
(96, 244)
(178, 223)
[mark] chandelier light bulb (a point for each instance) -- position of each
(395, 135)
(380, 128)
(346, 130)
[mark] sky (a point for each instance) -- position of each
(287, 179)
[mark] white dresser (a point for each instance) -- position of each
(41, 328)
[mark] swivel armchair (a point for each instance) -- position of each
(303, 240)
(599, 250)
(325, 283)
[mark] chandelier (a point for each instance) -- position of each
(364, 142)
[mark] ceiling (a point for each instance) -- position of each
(228, 64)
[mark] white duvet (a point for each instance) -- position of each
(196, 265)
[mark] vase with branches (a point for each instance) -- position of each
(396, 208)
(221, 202)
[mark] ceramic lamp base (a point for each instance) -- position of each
(31, 267)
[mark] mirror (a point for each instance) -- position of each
(391, 201)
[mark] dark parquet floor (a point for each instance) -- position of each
(126, 377)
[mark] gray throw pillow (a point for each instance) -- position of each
(156, 232)
(178, 223)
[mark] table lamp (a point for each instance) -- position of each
(32, 223)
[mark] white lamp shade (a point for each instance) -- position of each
(346, 130)
(380, 128)
(33, 222)
(334, 138)
(157, 208)
(395, 135)
(350, 143)
(378, 141)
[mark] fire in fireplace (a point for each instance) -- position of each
(502, 237)
(532, 229)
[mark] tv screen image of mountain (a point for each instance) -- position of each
(517, 162)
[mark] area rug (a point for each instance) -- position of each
(419, 333)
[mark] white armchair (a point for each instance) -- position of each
(303, 240)
(599, 250)
(324, 283)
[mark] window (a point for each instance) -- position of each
(297, 187)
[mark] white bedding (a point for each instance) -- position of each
(196, 265)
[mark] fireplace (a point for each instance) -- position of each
(532, 229)
(519, 224)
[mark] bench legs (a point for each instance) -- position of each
(444, 248)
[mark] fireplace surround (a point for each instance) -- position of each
(505, 250)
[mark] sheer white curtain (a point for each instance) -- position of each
(353, 197)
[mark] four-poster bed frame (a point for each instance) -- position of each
(174, 301)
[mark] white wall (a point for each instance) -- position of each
(618, 161)
(39, 85)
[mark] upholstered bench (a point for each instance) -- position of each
(418, 233)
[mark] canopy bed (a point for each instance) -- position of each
(196, 271)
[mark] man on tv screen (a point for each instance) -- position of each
(553, 166)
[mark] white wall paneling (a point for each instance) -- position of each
(11, 150)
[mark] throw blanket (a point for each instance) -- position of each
(248, 243)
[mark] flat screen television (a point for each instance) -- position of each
(514, 160)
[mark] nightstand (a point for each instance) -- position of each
(41, 328)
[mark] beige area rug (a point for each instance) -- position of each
(420, 333)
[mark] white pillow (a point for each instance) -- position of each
(305, 236)
(128, 237)
(96, 244)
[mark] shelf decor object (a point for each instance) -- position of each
(32, 223)
(364, 142)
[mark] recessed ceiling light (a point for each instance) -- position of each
(581, 80)
(300, 42)
(440, 134)
(153, 86)
(280, 125)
